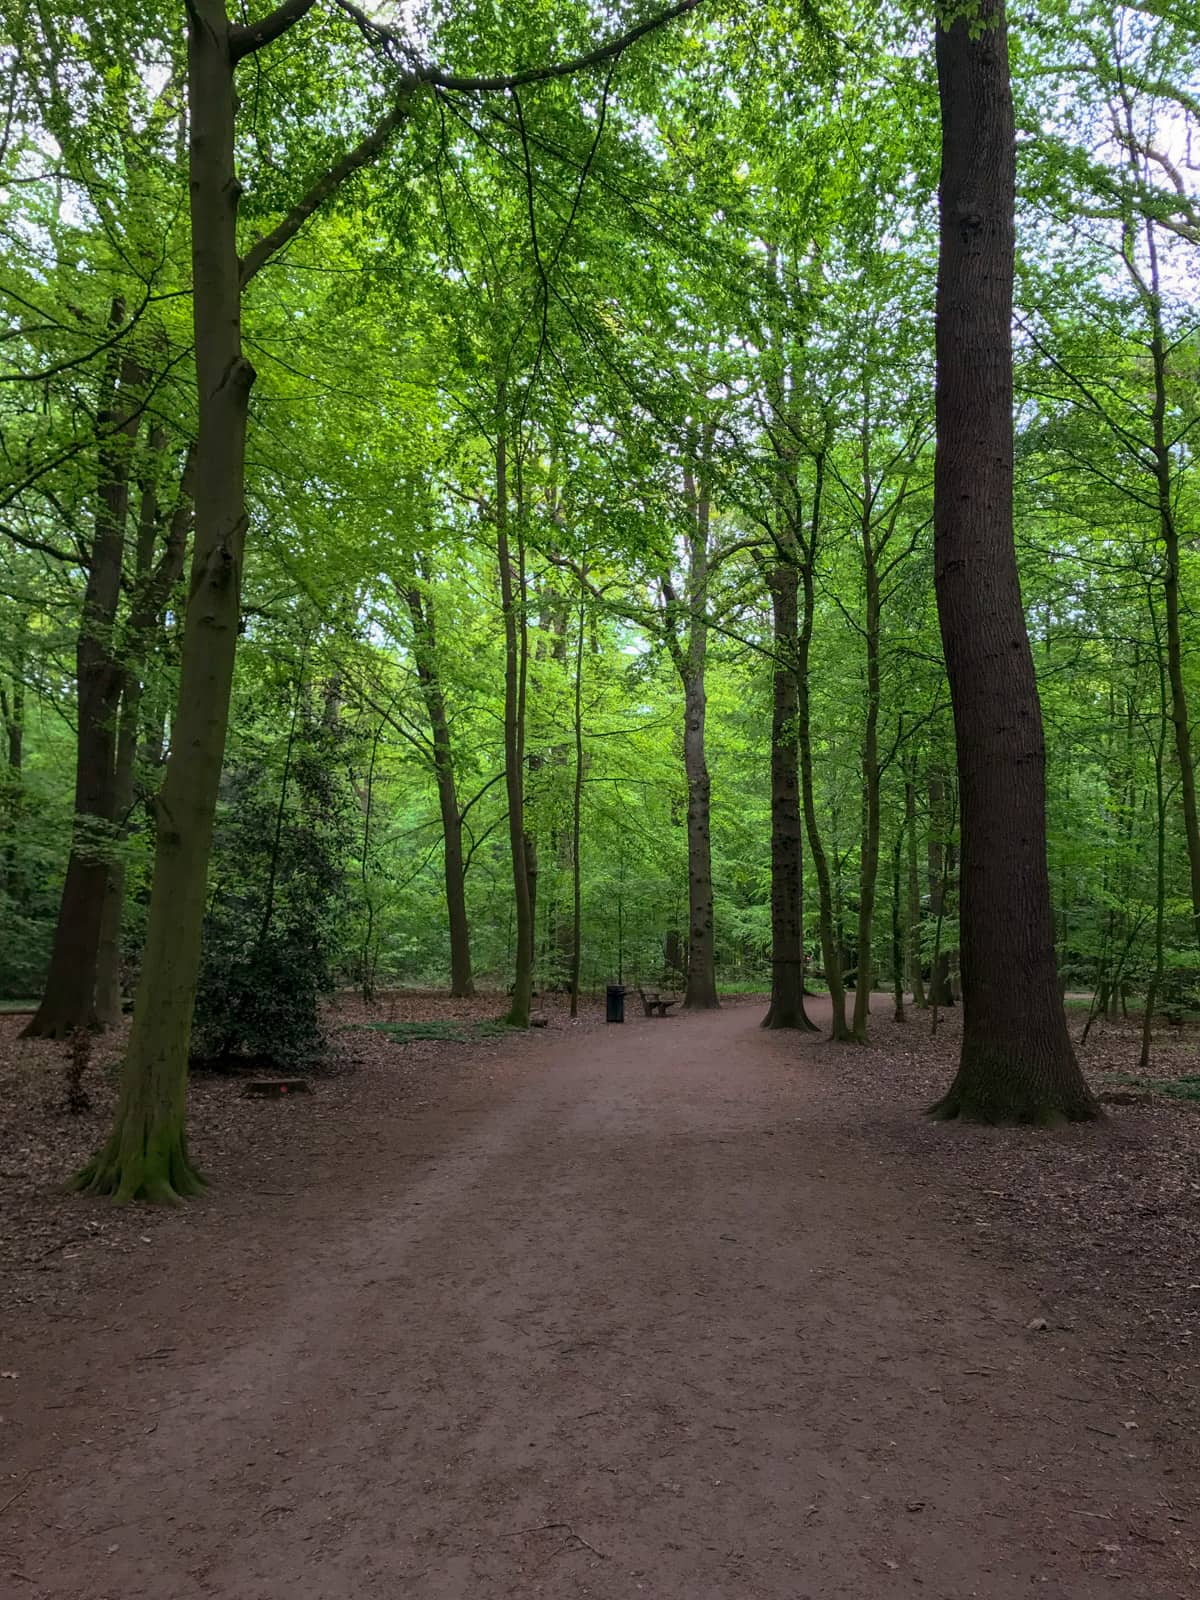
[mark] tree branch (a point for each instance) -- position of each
(363, 153)
(439, 78)
(245, 39)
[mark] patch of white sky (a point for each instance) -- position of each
(1079, 89)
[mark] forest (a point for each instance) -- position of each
(528, 498)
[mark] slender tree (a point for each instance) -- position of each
(419, 600)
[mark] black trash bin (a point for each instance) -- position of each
(614, 1003)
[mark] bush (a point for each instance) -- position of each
(278, 904)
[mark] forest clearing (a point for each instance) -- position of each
(599, 842)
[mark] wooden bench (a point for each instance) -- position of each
(655, 1004)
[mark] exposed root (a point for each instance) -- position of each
(158, 1173)
(955, 1107)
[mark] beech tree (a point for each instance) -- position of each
(1017, 1061)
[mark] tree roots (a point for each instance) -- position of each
(156, 1170)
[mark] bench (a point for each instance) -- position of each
(655, 1004)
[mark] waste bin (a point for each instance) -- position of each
(614, 1003)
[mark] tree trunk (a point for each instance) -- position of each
(577, 810)
(1179, 705)
(1017, 1062)
(512, 600)
(68, 1001)
(831, 955)
(12, 710)
(147, 1157)
(869, 854)
(420, 609)
(1158, 745)
(940, 868)
(897, 930)
(916, 981)
(153, 582)
(701, 991)
(787, 911)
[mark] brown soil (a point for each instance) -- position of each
(679, 1309)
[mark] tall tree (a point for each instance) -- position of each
(419, 599)
(786, 1009)
(68, 1000)
(1017, 1062)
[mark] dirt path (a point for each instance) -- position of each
(640, 1315)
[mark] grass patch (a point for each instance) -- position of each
(7, 1006)
(1185, 1088)
(452, 1032)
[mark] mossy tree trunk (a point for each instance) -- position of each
(1017, 1063)
(146, 1156)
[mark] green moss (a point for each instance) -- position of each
(154, 1168)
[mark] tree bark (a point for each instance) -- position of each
(146, 1156)
(577, 808)
(898, 929)
(869, 852)
(153, 582)
(1017, 1062)
(68, 1001)
(831, 955)
(512, 601)
(420, 609)
(786, 1009)
(916, 981)
(701, 991)
(12, 712)
(941, 860)
(1169, 533)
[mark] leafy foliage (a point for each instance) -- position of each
(277, 912)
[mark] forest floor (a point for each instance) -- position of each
(680, 1309)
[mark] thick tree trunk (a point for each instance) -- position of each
(787, 910)
(146, 1157)
(68, 1001)
(1017, 1062)
(420, 609)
